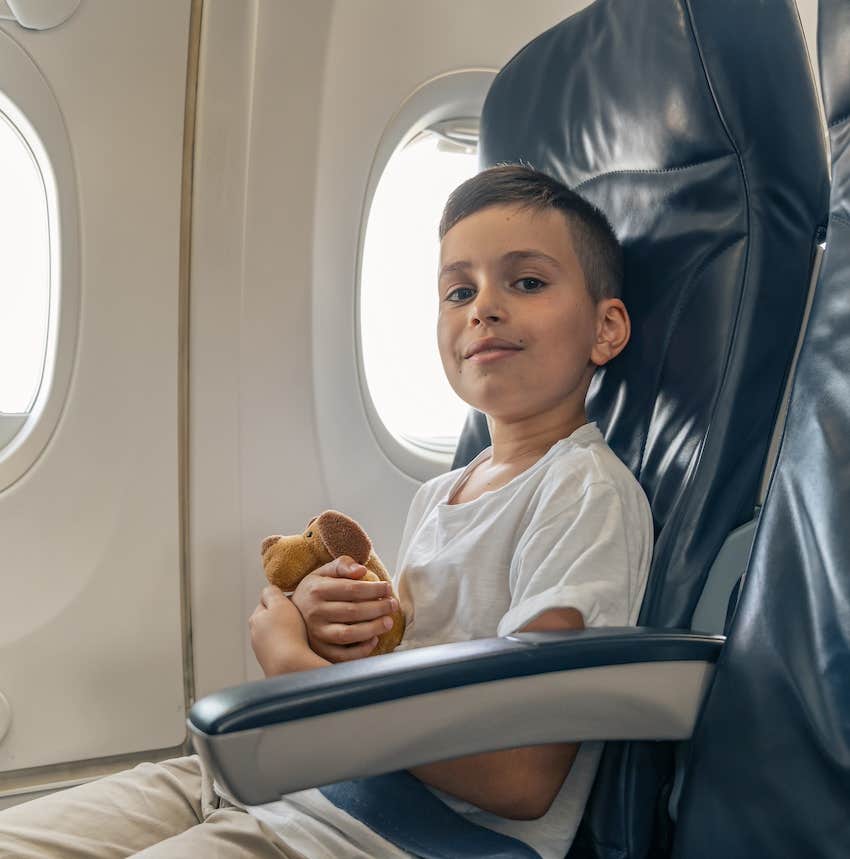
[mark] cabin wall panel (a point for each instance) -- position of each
(215, 486)
(90, 628)
(254, 460)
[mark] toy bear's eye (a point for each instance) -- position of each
(309, 534)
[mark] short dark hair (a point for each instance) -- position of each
(594, 240)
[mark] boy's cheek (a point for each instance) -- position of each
(447, 356)
(442, 340)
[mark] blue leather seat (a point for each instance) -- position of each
(666, 114)
(770, 766)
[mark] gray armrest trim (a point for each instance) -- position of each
(264, 739)
(434, 669)
(644, 700)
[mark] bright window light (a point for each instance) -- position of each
(24, 272)
(398, 295)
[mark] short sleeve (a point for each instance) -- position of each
(576, 558)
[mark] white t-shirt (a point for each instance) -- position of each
(573, 530)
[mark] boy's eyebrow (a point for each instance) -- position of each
(452, 267)
(510, 257)
(531, 256)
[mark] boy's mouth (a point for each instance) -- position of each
(490, 348)
(491, 355)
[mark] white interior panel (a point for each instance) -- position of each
(90, 626)
(255, 466)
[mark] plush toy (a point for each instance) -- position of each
(287, 560)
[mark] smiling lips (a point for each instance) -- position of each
(490, 349)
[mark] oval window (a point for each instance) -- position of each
(24, 273)
(398, 285)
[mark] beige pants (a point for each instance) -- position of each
(153, 811)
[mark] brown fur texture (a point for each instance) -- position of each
(286, 560)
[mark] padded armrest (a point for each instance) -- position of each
(390, 712)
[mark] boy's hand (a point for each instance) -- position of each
(279, 637)
(344, 617)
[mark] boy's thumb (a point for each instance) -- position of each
(347, 566)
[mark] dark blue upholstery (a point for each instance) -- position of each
(694, 125)
(433, 831)
(770, 765)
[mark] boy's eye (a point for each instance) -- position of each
(462, 293)
(529, 284)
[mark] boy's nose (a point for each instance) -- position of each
(485, 316)
(485, 308)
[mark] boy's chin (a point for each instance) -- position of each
(499, 400)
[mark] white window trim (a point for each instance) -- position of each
(454, 94)
(36, 14)
(27, 100)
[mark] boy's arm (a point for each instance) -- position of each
(519, 784)
(279, 636)
(513, 783)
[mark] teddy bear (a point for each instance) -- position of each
(286, 560)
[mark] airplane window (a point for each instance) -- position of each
(24, 272)
(398, 292)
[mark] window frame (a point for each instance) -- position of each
(459, 93)
(29, 104)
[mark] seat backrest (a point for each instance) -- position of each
(769, 772)
(666, 114)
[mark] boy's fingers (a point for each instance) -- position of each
(334, 653)
(353, 633)
(344, 590)
(356, 612)
(358, 651)
(343, 567)
(270, 594)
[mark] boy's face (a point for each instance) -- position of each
(510, 282)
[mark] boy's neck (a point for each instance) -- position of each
(530, 437)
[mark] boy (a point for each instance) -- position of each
(544, 530)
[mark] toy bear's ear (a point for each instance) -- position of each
(343, 536)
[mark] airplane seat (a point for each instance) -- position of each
(666, 114)
(769, 770)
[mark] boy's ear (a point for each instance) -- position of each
(613, 329)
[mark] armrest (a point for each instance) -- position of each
(403, 709)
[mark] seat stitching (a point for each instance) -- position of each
(839, 121)
(660, 171)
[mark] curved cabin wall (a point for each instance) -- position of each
(91, 644)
